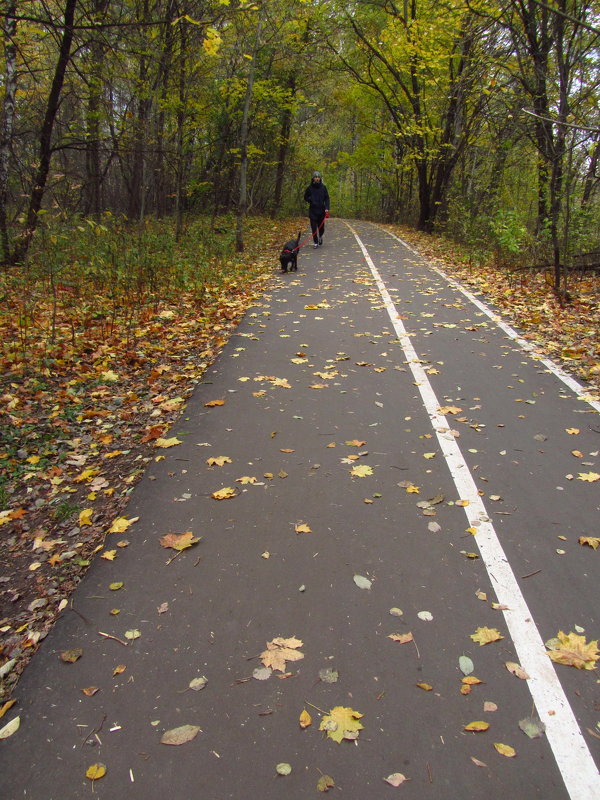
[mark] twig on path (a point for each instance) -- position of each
(85, 619)
(317, 707)
(94, 730)
(530, 574)
(429, 773)
(416, 648)
(178, 553)
(108, 636)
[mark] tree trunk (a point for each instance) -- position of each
(92, 155)
(286, 126)
(8, 117)
(39, 186)
(243, 197)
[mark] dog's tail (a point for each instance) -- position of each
(298, 241)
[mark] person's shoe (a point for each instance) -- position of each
(315, 244)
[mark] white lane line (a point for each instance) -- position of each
(571, 752)
(581, 392)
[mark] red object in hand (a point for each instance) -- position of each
(326, 213)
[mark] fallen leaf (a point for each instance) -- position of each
(590, 477)
(505, 750)
(119, 669)
(96, 771)
(361, 471)
(121, 524)
(401, 638)
(279, 651)
(166, 443)
(517, 670)
(466, 665)
(71, 656)
(114, 587)
(180, 735)
(283, 768)
(305, 719)
(396, 779)
(109, 555)
(6, 706)
(133, 634)
(341, 723)
(486, 635)
(325, 783)
(426, 616)
(471, 680)
(534, 728)
(362, 582)
(85, 517)
(218, 461)
(355, 443)
(246, 479)
(213, 403)
(328, 675)
(10, 728)
(573, 650)
(179, 541)
(302, 527)
(224, 494)
(591, 541)
(477, 762)
(425, 686)
(477, 727)
(489, 707)
(196, 684)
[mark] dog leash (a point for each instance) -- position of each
(309, 237)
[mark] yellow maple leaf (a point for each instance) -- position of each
(85, 517)
(164, 443)
(486, 635)
(591, 541)
(573, 650)
(412, 489)
(213, 403)
(121, 524)
(341, 723)
(246, 479)
(355, 443)
(361, 471)
(280, 650)
(179, 541)
(87, 475)
(109, 555)
(218, 461)
(590, 477)
(449, 410)
(224, 494)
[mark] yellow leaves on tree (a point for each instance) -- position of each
(486, 635)
(280, 650)
(341, 723)
(573, 650)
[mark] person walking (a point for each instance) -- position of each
(317, 196)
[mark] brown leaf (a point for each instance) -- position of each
(71, 656)
(179, 541)
(279, 651)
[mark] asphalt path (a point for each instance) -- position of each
(399, 450)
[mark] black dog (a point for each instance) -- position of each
(289, 254)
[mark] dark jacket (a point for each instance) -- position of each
(317, 195)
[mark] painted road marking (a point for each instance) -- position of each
(571, 752)
(581, 392)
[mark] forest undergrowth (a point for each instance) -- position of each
(104, 337)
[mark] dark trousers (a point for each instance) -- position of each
(317, 224)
